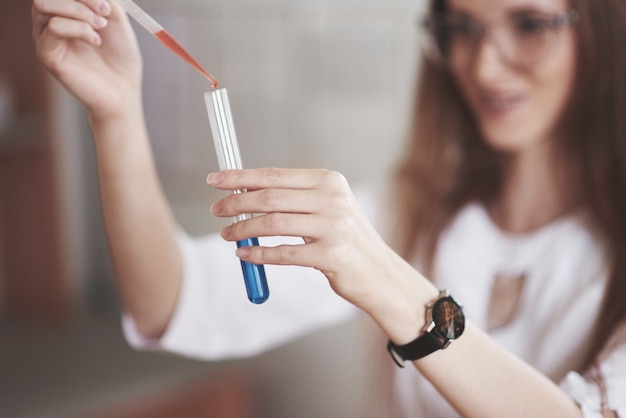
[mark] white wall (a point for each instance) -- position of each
(320, 83)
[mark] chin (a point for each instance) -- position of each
(508, 140)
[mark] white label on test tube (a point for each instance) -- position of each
(229, 158)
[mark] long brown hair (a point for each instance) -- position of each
(447, 163)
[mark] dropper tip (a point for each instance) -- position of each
(210, 77)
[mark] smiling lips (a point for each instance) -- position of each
(499, 104)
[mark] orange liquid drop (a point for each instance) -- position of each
(169, 41)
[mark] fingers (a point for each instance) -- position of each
(70, 18)
(316, 205)
(310, 255)
(277, 178)
(93, 12)
(64, 28)
(282, 224)
(269, 200)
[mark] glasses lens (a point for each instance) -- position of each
(527, 40)
(444, 38)
(524, 40)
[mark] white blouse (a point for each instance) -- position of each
(536, 294)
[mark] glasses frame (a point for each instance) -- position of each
(481, 32)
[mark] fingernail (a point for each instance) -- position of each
(216, 207)
(100, 22)
(215, 178)
(96, 40)
(105, 7)
(227, 231)
(243, 252)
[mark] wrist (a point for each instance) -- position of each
(127, 118)
(400, 308)
(445, 322)
(126, 109)
(121, 140)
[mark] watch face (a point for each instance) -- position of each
(448, 317)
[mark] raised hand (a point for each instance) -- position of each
(339, 240)
(89, 46)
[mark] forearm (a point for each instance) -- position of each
(140, 227)
(481, 379)
(91, 49)
(476, 375)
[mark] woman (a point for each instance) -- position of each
(511, 197)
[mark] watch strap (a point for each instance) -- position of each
(416, 349)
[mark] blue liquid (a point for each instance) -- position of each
(254, 275)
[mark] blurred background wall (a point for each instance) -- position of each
(321, 83)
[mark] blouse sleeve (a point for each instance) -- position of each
(214, 320)
(601, 391)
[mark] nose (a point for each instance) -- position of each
(488, 64)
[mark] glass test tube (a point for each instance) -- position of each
(229, 158)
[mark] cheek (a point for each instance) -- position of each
(547, 88)
(554, 85)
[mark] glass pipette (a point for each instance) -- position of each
(228, 158)
(151, 25)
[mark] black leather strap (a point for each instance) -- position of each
(416, 349)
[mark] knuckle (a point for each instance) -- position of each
(342, 201)
(325, 175)
(274, 221)
(285, 253)
(269, 197)
(237, 175)
(272, 173)
(239, 229)
(344, 230)
(46, 59)
(339, 226)
(334, 179)
(40, 5)
(234, 203)
(54, 24)
(335, 254)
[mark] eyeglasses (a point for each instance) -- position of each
(523, 40)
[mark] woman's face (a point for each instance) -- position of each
(517, 79)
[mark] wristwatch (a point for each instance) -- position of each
(444, 322)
